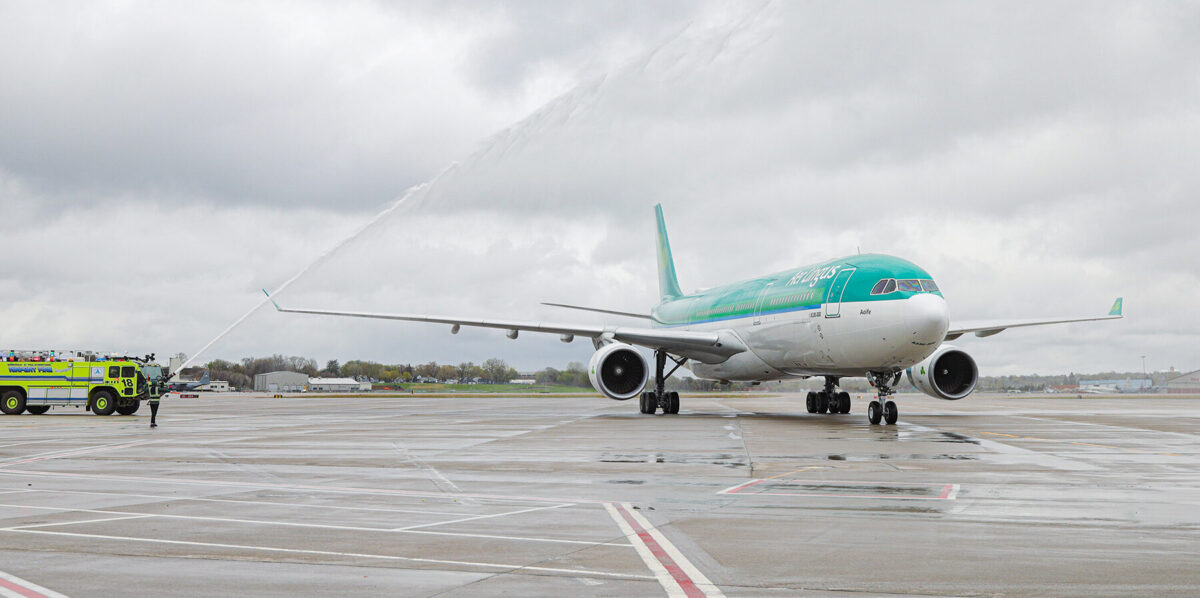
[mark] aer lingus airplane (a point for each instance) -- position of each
(875, 316)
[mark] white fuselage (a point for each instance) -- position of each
(843, 339)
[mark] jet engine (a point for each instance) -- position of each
(948, 374)
(618, 371)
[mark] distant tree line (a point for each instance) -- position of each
(494, 370)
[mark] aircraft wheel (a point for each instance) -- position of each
(835, 402)
(37, 409)
(822, 402)
(874, 413)
(890, 412)
(12, 402)
(672, 403)
(810, 402)
(844, 402)
(647, 404)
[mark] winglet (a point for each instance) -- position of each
(281, 309)
(1116, 308)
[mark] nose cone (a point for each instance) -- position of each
(928, 318)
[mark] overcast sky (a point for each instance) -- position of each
(161, 162)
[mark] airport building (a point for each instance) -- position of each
(1126, 385)
(281, 382)
(337, 385)
(1188, 383)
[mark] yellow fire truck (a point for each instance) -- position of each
(35, 381)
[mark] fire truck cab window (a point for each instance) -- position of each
(128, 372)
(114, 372)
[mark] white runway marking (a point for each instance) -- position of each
(673, 571)
(37, 525)
(507, 568)
(72, 453)
(29, 442)
(478, 517)
(12, 586)
(244, 502)
(291, 487)
(129, 515)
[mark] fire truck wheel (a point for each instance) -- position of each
(12, 402)
(102, 403)
(37, 409)
(129, 408)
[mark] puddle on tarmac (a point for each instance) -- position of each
(885, 457)
(722, 459)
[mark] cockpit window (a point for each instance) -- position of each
(929, 286)
(913, 286)
(883, 287)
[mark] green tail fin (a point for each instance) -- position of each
(668, 285)
(1116, 308)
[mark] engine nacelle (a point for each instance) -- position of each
(948, 374)
(618, 371)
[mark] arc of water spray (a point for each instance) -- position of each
(403, 201)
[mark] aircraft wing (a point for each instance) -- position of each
(707, 347)
(984, 328)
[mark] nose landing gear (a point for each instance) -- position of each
(884, 409)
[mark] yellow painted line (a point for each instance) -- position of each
(774, 477)
(999, 434)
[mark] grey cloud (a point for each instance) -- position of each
(1037, 160)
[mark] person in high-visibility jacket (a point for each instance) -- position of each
(154, 410)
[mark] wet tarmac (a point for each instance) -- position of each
(545, 495)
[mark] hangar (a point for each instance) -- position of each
(281, 382)
(1188, 383)
(337, 385)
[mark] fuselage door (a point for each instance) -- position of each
(833, 300)
(759, 306)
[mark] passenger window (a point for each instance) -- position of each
(910, 285)
(114, 372)
(879, 286)
(128, 372)
(929, 286)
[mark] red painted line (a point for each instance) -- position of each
(946, 491)
(22, 590)
(681, 578)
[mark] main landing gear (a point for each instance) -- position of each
(885, 408)
(653, 400)
(829, 400)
